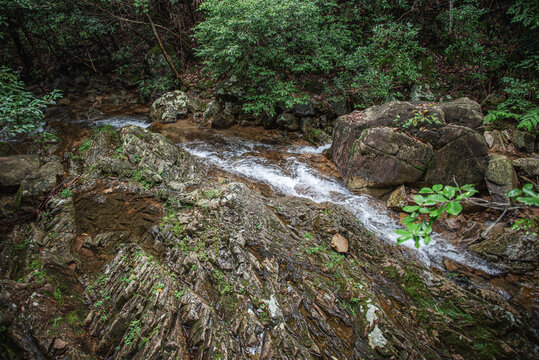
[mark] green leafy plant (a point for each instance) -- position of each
(133, 332)
(526, 195)
(420, 117)
(431, 203)
(21, 112)
(529, 120)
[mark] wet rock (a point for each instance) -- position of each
(225, 117)
(379, 149)
(42, 183)
(339, 243)
(527, 166)
(454, 152)
(524, 141)
(501, 178)
(5, 149)
(15, 168)
(463, 112)
(461, 155)
(59, 344)
(304, 110)
(228, 274)
(397, 199)
(340, 106)
(288, 121)
(512, 250)
(170, 107)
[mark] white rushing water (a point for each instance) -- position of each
(119, 121)
(290, 176)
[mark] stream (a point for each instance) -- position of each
(288, 169)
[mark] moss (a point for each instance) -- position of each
(414, 287)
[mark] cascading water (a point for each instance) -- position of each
(291, 176)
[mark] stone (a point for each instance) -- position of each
(397, 199)
(527, 166)
(512, 250)
(461, 156)
(383, 157)
(496, 140)
(170, 107)
(339, 243)
(59, 344)
(42, 182)
(370, 152)
(463, 112)
(225, 118)
(288, 121)
(340, 106)
(501, 178)
(214, 107)
(15, 168)
(304, 110)
(524, 141)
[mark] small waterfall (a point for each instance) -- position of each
(290, 176)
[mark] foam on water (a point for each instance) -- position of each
(295, 178)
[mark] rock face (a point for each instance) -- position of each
(14, 169)
(170, 107)
(151, 260)
(374, 154)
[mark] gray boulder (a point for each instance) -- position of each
(463, 112)
(224, 117)
(524, 141)
(527, 166)
(170, 107)
(14, 169)
(41, 183)
(461, 155)
(384, 157)
(393, 144)
(288, 121)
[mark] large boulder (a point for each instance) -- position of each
(461, 156)
(170, 107)
(401, 143)
(14, 169)
(464, 112)
(384, 157)
(224, 116)
(42, 182)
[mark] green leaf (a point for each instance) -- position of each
(437, 187)
(426, 190)
(454, 208)
(402, 232)
(410, 209)
(418, 199)
(437, 198)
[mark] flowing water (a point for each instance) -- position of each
(287, 170)
(291, 174)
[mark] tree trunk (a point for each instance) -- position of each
(164, 51)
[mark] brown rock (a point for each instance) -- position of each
(59, 344)
(339, 243)
(397, 199)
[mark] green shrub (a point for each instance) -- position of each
(387, 61)
(267, 45)
(21, 112)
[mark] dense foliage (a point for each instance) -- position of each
(21, 113)
(278, 52)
